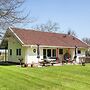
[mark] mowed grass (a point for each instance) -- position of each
(68, 77)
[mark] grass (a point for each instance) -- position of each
(71, 77)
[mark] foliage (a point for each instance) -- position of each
(65, 77)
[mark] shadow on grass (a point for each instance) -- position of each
(6, 63)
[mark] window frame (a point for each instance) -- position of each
(18, 52)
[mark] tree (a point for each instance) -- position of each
(11, 13)
(86, 40)
(71, 32)
(48, 27)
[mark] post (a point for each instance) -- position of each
(57, 59)
(5, 54)
(75, 50)
(75, 53)
(38, 52)
(68, 55)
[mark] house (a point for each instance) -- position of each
(33, 46)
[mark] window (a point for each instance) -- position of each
(10, 51)
(44, 53)
(79, 51)
(48, 52)
(18, 51)
(0, 53)
(60, 51)
(54, 53)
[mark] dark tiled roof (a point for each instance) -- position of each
(32, 37)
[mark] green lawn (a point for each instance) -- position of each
(70, 77)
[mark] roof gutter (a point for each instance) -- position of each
(46, 46)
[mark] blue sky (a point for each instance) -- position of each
(70, 14)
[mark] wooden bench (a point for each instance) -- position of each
(44, 62)
(47, 62)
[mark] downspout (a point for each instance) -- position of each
(38, 52)
(75, 50)
(57, 59)
(5, 54)
(69, 56)
(75, 53)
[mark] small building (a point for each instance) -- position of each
(33, 46)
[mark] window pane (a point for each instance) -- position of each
(16, 51)
(49, 52)
(44, 53)
(54, 52)
(10, 51)
(60, 51)
(19, 51)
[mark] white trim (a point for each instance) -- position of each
(85, 43)
(46, 46)
(82, 41)
(29, 45)
(16, 35)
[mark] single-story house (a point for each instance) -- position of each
(33, 46)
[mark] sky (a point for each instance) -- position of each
(69, 14)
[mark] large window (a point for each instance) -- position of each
(49, 53)
(18, 51)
